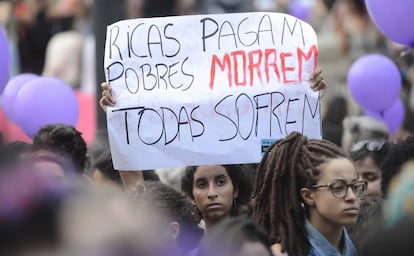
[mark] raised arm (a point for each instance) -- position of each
(129, 178)
(107, 99)
(318, 83)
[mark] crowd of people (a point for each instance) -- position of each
(349, 193)
(305, 197)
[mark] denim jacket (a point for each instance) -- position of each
(321, 247)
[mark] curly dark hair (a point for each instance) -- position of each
(103, 162)
(289, 165)
(239, 176)
(63, 140)
(173, 205)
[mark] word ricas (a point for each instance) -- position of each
(130, 58)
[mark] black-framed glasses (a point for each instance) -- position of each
(370, 145)
(339, 188)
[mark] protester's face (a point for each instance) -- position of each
(370, 172)
(213, 192)
(328, 209)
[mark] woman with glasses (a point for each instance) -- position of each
(368, 156)
(306, 191)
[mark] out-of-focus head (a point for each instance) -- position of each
(12, 154)
(395, 237)
(175, 225)
(400, 198)
(103, 170)
(63, 140)
(39, 216)
(29, 212)
(50, 164)
(100, 220)
(235, 237)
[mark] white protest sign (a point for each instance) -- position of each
(208, 89)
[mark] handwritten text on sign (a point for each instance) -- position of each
(199, 89)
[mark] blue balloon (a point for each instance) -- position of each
(10, 91)
(394, 18)
(393, 117)
(374, 82)
(44, 101)
(299, 10)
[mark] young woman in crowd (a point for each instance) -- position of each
(218, 191)
(306, 191)
(368, 156)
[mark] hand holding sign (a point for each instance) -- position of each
(317, 81)
(107, 98)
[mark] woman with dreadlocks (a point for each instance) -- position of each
(302, 197)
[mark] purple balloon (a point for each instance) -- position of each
(394, 18)
(4, 59)
(299, 10)
(393, 117)
(374, 82)
(43, 101)
(10, 91)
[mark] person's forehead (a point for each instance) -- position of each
(209, 171)
(338, 168)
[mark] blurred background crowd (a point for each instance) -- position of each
(65, 39)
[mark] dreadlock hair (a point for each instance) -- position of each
(289, 165)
